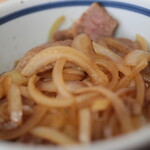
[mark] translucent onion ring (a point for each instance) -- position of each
(134, 57)
(42, 99)
(50, 55)
(107, 53)
(58, 78)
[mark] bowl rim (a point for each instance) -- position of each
(71, 3)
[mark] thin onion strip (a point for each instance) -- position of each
(42, 99)
(52, 135)
(15, 103)
(85, 125)
(51, 54)
(118, 105)
(38, 112)
(58, 78)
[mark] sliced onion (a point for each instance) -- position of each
(126, 80)
(25, 92)
(16, 76)
(1, 91)
(112, 69)
(140, 94)
(71, 74)
(85, 125)
(58, 78)
(101, 104)
(103, 51)
(53, 135)
(72, 86)
(15, 103)
(142, 41)
(38, 113)
(118, 45)
(7, 80)
(50, 55)
(42, 99)
(55, 26)
(134, 57)
(48, 86)
(83, 44)
(118, 105)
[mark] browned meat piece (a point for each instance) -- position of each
(95, 22)
(129, 43)
(26, 58)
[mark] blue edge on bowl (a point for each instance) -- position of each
(51, 5)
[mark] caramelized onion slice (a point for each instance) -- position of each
(100, 104)
(83, 44)
(111, 67)
(58, 78)
(1, 91)
(50, 55)
(53, 135)
(42, 99)
(140, 93)
(16, 76)
(15, 103)
(118, 45)
(117, 103)
(142, 41)
(72, 86)
(85, 125)
(55, 26)
(38, 113)
(73, 74)
(134, 57)
(103, 51)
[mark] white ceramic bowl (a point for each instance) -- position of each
(26, 23)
